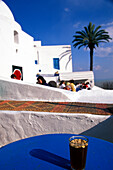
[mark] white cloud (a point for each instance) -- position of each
(109, 29)
(107, 24)
(110, 32)
(104, 51)
(97, 67)
(76, 25)
(66, 9)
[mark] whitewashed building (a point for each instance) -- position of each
(18, 50)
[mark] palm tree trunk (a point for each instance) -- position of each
(91, 59)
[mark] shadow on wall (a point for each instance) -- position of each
(103, 130)
(65, 53)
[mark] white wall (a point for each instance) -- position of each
(22, 124)
(24, 54)
(24, 57)
(46, 55)
(19, 90)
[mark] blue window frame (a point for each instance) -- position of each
(56, 64)
(36, 62)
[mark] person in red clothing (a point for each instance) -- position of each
(86, 86)
(18, 74)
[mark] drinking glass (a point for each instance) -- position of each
(78, 152)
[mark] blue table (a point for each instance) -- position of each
(51, 152)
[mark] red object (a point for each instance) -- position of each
(18, 74)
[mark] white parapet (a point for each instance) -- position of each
(19, 125)
(13, 89)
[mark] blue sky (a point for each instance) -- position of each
(54, 22)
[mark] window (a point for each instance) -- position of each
(18, 71)
(36, 61)
(16, 50)
(56, 63)
(16, 37)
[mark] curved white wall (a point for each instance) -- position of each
(5, 11)
(19, 125)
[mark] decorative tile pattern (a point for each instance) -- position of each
(58, 107)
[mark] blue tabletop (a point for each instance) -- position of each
(51, 152)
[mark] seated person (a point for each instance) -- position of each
(78, 86)
(52, 84)
(88, 86)
(41, 80)
(67, 87)
(62, 84)
(73, 88)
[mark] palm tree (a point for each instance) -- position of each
(90, 37)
